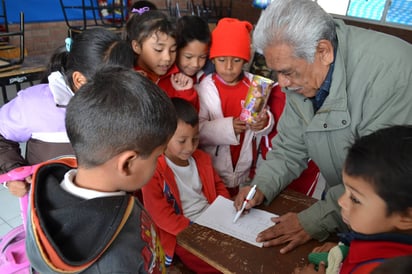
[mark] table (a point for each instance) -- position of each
(32, 69)
(230, 255)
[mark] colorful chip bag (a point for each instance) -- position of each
(256, 98)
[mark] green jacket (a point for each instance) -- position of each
(371, 88)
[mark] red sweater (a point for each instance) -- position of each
(165, 83)
(162, 200)
(365, 255)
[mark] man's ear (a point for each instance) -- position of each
(78, 80)
(125, 161)
(136, 47)
(325, 49)
(405, 221)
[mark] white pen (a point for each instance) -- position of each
(248, 198)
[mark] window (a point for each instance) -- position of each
(387, 12)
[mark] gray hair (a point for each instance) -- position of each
(298, 23)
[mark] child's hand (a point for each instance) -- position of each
(310, 269)
(326, 247)
(18, 188)
(238, 125)
(181, 81)
(260, 122)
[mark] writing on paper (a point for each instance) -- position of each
(219, 216)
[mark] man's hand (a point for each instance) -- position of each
(287, 230)
(18, 188)
(310, 269)
(241, 196)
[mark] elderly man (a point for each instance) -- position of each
(341, 82)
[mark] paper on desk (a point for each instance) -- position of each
(219, 216)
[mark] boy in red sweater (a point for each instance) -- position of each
(183, 186)
(376, 204)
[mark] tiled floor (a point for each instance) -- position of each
(9, 205)
(9, 211)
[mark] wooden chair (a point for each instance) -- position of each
(212, 12)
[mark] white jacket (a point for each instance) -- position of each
(217, 134)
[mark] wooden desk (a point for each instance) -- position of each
(231, 255)
(32, 69)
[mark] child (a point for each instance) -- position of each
(223, 135)
(183, 186)
(36, 115)
(377, 203)
(153, 39)
(83, 219)
(193, 40)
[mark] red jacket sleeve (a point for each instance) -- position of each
(163, 212)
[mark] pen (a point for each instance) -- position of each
(248, 198)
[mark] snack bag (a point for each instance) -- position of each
(256, 98)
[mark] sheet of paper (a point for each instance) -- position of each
(219, 216)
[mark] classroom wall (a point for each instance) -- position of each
(241, 9)
(43, 38)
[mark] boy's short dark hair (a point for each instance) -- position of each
(191, 28)
(384, 159)
(118, 110)
(185, 111)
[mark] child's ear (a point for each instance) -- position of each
(125, 162)
(405, 221)
(136, 47)
(78, 80)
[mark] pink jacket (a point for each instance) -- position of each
(162, 200)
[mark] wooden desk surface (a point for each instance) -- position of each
(32, 69)
(30, 65)
(231, 255)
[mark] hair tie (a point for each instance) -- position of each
(141, 10)
(68, 42)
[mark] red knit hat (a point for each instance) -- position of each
(231, 37)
